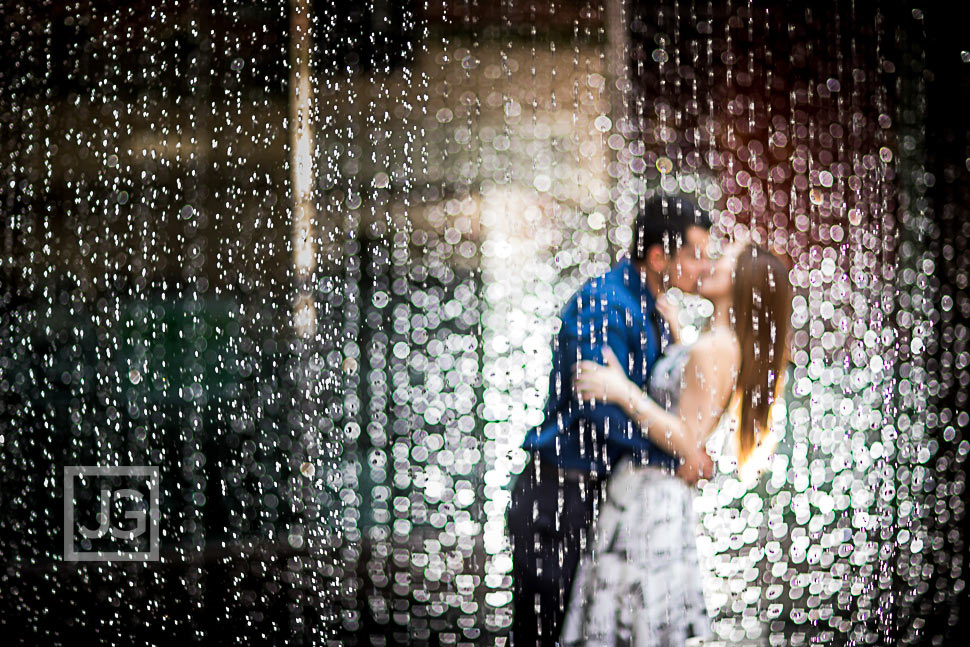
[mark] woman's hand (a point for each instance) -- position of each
(608, 383)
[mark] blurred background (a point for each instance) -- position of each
(307, 258)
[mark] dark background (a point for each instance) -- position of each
(948, 159)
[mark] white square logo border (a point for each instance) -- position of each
(151, 473)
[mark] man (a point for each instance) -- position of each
(554, 498)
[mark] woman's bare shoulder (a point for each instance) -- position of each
(709, 377)
(718, 345)
(715, 360)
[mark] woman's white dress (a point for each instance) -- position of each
(641, 585)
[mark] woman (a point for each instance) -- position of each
(641, 585)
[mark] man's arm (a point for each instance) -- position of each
(598, 330)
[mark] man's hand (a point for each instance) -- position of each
(695, 467)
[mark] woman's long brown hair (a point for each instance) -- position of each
(761, 316)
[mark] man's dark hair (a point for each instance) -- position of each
(663, 220)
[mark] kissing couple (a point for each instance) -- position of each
(629, 410)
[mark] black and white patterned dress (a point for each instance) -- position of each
(641, 584)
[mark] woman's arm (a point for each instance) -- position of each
(708, 382)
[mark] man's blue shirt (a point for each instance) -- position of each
(616, 309)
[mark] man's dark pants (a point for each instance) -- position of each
(548, 536)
